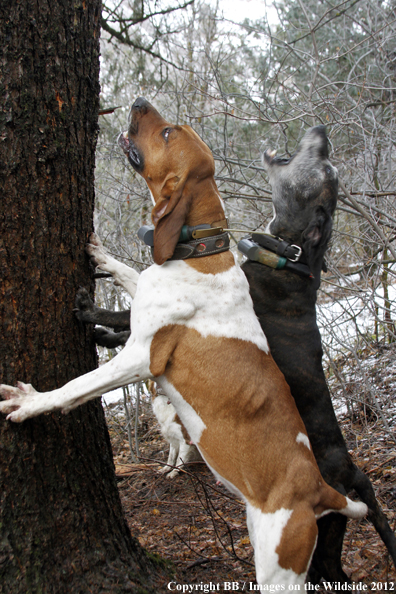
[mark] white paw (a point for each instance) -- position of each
(16, 399)
(96, 251)
(173, 474)
(164, 470)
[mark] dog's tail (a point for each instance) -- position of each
(354, 509)
(333, 501)
(363, 487)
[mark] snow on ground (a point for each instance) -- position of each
(342, 321)
(115, 396)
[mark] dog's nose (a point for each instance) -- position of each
(140, 104)
(322, 143)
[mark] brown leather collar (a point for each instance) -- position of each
(205, 246)
(194, 242)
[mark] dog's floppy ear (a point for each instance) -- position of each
(169, 215)
(315, 239)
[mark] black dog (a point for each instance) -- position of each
(304, 196)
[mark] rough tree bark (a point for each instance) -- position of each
(61, 522)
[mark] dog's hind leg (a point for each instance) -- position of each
(283, 543)
(172, 458)
(187, 453)
(326, 561)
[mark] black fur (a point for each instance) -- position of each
(285, 305)
(89, 313)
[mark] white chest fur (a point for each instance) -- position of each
(212, 304)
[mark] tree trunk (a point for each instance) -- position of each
(61, 524)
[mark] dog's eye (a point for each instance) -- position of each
(166, 132)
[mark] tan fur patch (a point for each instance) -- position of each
(152, 389)
(162, 347)
(298, 540)
(184, 430)
(329, 499)
(212, 264)
(250, 416)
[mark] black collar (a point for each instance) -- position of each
(276, 253)
(291, 252)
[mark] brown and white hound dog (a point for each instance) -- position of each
(195, 331)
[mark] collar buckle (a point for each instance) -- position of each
(297, 256)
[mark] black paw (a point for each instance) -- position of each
(109, 339)
(85, 309)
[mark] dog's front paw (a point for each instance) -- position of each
(96, 252)
(111, 340)
(85, 308)
(15, 398)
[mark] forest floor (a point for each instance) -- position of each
(201, 528)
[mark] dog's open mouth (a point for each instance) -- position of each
(131, 151)
(123, 141)
(271, 158)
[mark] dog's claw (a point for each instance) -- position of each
(15, 397)
(95, 251)
(26, 388)
(10, 392)
(9, 406)
(94, 240)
